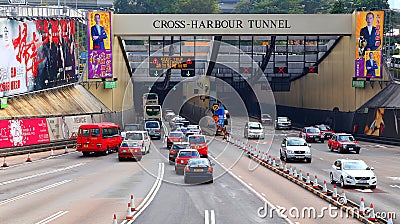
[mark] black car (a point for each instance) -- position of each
(174, 150)
(198, 170)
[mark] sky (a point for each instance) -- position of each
(394, 4)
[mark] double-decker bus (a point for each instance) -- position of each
(150, 99)
(100, 138)
(152, 112)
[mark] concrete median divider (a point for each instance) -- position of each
(330, 196)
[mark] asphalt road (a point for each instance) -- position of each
(69, 188)
(385, 197)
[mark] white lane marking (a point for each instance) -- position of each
(150, 196)
(364, 190)
(41, 174)
(52, 217)
(47, 158)
(206, 217)
(254, 191)
(212, 217)
(33, 192)
(394, 178)
(238, 176)
(395, 186)
(321, 158)
(250, 184)
(263, 194)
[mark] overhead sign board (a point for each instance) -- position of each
(232, 24)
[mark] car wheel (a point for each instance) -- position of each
(119, 159)
(342, 184)
(330, 148)
(86, 153)
(332, 180)
(373, 186)
(339, 150)
(308, 160)
(358, 151)
(211, 181)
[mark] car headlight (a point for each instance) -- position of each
(373, 177)
(290, 151)
(349, 177)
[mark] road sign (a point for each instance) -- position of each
(215, 107)
(155, 73)
(187, 73)
(17, 2)
(215, 118)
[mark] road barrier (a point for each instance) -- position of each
(115, 219)
(29, 157)
(341, 202)
(5, 162)
(129, 214)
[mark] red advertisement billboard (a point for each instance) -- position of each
(23, 132)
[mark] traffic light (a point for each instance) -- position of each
(312, 69)
(280, 70)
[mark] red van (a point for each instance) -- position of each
(100, 138)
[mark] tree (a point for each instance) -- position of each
(244, 7)
(165, 7)
(338, 7)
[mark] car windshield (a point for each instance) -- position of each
(133, 136)
(312, 130)
(255, 126)
(180, 146)
(197, 139)
(204, 162)
(188, 153)
(152, 125)
(355, 165)
(176, 134)
(325, 128)
(343, 138)
(131, 128)
(193, 127)
(282, 119)
(296, 142)
(266, 116)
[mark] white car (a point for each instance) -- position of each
(254, 130)
(350, 172)
(141, 137)
(294, 148)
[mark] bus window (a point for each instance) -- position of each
(110, 132)
(95, 132)
(85, 132)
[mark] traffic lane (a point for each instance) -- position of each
(177, 202)
(273, 187)
(384, 198)
(91, 188)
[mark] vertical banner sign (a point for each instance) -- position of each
(36, 55)
(369, 34)
(100, 45)
(23, 132)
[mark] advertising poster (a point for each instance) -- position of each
(369, 34)
(100, 45)
(23, 132)
(35, 55)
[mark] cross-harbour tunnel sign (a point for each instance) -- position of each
(232, 24)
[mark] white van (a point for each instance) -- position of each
(141, 137)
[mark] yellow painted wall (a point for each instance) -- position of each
(331, 87)
(121, 97)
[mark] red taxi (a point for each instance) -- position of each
(130, 150)
(311, 134)
(342, 142)
(182, 159)
(325, 130)
(199, 143)
(175, 136)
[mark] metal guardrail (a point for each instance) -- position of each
(13, 151)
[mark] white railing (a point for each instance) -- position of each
(41, 11)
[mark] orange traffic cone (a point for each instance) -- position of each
(371, 213)
(291, 171)
(280, 165)
(315, 183)
(308, 181)
(361, 210)
(295, 175)
(324, 189)
(390, 221)
(5, 162)
(115, 219)
(273, 162)
(66, 149)
(334, 195)
(285, 169)
(52, 152)
(343, 199)
(300, 175)
(129, 215)
(133, 203)
(29, 157)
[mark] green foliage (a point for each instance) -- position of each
(165, 7)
